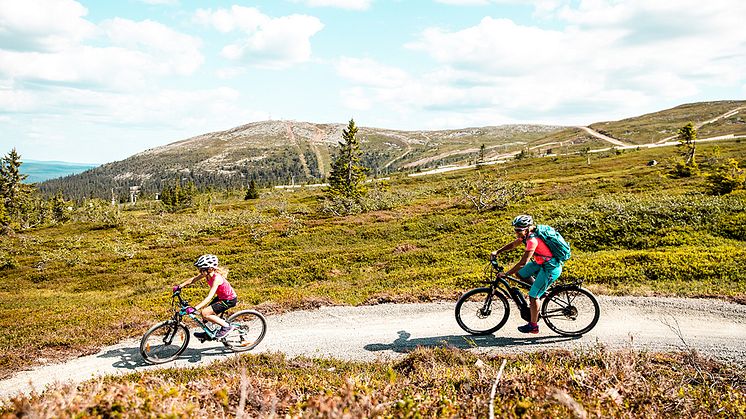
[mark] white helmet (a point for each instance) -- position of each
(206, 261)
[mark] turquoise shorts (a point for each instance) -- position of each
(544, 274)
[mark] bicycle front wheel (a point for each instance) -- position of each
(249, 329)
(164, 342)
(482, 311)
(570, 310)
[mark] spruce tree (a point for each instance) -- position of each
(347, 176)
(687, 141)
(252, 192)
(13, 192)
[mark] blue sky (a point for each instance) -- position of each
(97, 81)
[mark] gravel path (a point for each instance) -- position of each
(713, 327)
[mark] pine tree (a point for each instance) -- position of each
(253, 192)
(347, 177)
(481, 156)
(13, 192)
(58, 207)
(687, 141)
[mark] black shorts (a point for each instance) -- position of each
(219, 306)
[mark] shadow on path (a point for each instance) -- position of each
(404, 345)
(130, 358)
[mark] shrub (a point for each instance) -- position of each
(484, 194)
(7, 261)
(703, 267)
(682, 169)
(377, 197)
(98, 212)
(727, 178)
(643, 222)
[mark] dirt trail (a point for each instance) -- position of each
(713, 327)
(296, 142)
(703, 123)
(603, 137)
(317, 139)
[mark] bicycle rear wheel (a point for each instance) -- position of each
(164, 342)
(249, 329)
(482, 311)
(570, 310)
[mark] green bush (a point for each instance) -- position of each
(648, 221)
(682, 169)
(717, 267)
(99, 212)
(7, 261)
(727, 178)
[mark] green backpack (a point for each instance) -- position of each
(557, 244)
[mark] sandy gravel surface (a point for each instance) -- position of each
(714, 327)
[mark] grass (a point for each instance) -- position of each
(69, 282)
(429, 382)
(656, 126)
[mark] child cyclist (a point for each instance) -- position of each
(220, 298)
(545, 268)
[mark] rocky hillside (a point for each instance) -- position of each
(281, 152)
(284, 152)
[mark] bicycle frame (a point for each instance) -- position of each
(502, 284)
(181, 312)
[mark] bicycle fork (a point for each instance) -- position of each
(169, 337)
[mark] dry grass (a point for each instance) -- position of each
(593, 382)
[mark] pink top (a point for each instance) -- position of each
(224, 291)
(541, 250)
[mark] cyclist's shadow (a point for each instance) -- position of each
(403, 344)
(130, 358)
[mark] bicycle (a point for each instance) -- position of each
(166, 340)
(568, 309)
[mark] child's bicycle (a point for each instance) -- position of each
(167, 340)
(568, 309)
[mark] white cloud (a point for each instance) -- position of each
(605, 58)
(342, 4)
(42, 25)
(368, 72)
(268, 42)
(464, 2)
(110, 125)
(49, 42)
(230, 72)
(159, 2)
(173, 52)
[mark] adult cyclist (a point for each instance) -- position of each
(540, 272)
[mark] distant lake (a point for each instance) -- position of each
(39, 171)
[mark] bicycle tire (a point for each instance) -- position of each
(570, 310)
(154, 347)
(471, 316)
(250, 328)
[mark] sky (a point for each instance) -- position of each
(98, 81)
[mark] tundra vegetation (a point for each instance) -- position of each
(94, 274)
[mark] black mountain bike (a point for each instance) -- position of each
(567, 309)
(167, 340)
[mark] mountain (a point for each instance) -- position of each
(282, 152)
(274, 152)
(39, 171)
